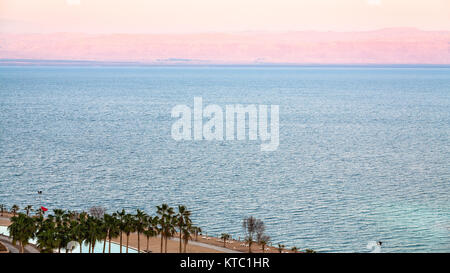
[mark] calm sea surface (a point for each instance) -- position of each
(364, 152)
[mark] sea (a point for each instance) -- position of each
(363, 156)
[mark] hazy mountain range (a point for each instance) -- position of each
(386, 46)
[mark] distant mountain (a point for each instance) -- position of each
(386, 46)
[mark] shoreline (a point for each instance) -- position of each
(203, 244)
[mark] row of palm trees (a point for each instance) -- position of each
(62, 228)
(57, 231)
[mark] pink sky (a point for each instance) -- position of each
(188, 16)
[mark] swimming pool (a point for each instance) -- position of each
(115, 248)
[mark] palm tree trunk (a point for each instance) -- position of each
(162, 239)
(180, 238)
(90, 242)
(148, 239)
(120, 241)
(104, 243)
(165, 245)
(128, 236)
(81, 246)
(109, 247)
(139, 242)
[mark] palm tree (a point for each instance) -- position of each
(22, 229)
(183, 220)
(46, 235)
(171, 223)
(225, 237)
(197, 230)
(113, 225)
(294, 249)
(140, 224)
(102, 230)
(90, 231)
(2, 209)
(59, 214)
(78, 232)
(151, 229)
(108, 221)
(59, 229)
(281, 247)
(15, 209)
(28, 209)
(63, 233)
(39, 222)
(165, 222)
(162, 210)
(249, 241)
(95, 232)
(105, 229)
(120, 215)
(263, 241)
(129, 226)
(187, 231)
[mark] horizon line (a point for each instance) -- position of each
(231, 31)
(93, 63)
